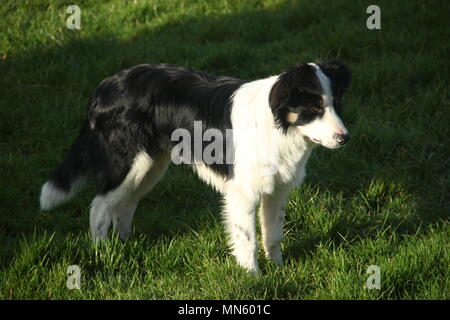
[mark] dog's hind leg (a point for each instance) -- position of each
(122, 215)
(118, 205)
(99, 218)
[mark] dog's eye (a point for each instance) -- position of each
(316, 109)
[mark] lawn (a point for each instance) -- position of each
(382, 200)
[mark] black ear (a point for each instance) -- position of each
(289, 82)
(287, 90)
(339, 75)
(300, 77)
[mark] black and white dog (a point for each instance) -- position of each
(126, 144)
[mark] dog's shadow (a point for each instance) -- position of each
(179, 203)
(354, 210)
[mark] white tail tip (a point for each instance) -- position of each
(51, 196)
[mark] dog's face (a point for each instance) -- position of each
(309, 97)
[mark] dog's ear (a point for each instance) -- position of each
(302, 75)
(340, 76)
(286, 91)
(290, 82)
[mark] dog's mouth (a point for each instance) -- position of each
(316, 141)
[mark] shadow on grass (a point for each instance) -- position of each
(362, 216)
(249, 45)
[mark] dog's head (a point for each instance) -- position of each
(309, 97)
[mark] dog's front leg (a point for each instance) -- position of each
(272, 212)
(239, 218)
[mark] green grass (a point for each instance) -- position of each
(383, 200)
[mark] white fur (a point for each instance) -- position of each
(99, 218)
(272, 212)
(267, 164)
(255, 144)
(326, 85)
(118, 206)
(51, 195)
(209, 177)
(239, 219)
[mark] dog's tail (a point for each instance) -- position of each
(71, 174)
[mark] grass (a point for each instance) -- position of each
(383, 200)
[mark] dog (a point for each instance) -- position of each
(126, 144)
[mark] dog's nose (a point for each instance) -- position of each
(343, 138)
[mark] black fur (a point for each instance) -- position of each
(138, 109)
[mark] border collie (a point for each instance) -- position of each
(126, 144)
